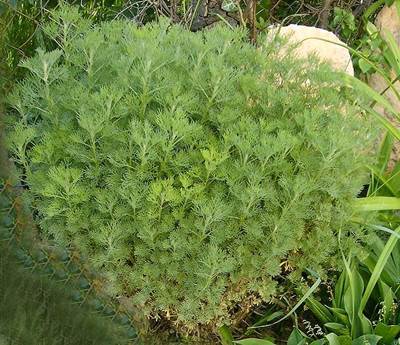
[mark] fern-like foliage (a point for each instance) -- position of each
(187, 166)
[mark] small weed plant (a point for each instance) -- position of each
(192, 168)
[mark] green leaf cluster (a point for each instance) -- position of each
(187, 166)
(348, 317)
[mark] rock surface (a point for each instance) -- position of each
(337, 56)
(388, 20)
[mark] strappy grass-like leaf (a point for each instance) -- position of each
(377, 203)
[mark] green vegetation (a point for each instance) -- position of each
(193, 186)
(363, 308)
(155, 152)
(44, 313)
(21, 27)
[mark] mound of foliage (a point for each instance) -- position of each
(193, 168)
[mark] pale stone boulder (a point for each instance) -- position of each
(388, 20)
(309, 40)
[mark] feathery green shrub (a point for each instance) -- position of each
(193, 168)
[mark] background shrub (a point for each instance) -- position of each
(35, 310)
(191, 167)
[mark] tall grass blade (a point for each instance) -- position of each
(377, 203)
(372, 9)
(267, 318)
(385, 182)
(385, 122)
(225, 334)
(298, 304)
(380, 265)
(319, 310)
(369, 92)
(340, 289)
(385, 152)
(352, 298)
(394, 50)
(253, 341)
(385, 229)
